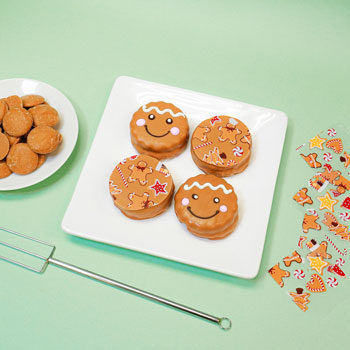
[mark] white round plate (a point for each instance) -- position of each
(68, 127)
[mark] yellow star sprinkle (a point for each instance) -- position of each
(317, 264)
(327, 202)
(317, 142)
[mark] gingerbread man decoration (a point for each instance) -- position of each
(294, 257)
(318, 250)
(229, 132)
(309, 222)
(329, 174)
(342, 183)
(300, 298)
(334, 226)
(139, 202)
(302, 198)
(139, 172)
(278, 274)
(200, 133)
(310, 159)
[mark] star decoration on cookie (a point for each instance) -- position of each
(327, 202)
(317, 142)
(159, 187)
(317, 264)
(214, 120)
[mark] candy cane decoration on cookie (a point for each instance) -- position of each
(327, 156)
(299, 274)
(122, 176)
(238, 151)
(202, 145)
(340, 262)
(335, 247)
(344, 216)
(332, 282)
(331, 132)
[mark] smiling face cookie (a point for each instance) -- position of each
(207, 205)
(159, 129)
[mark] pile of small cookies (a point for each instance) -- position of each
(142, 187)
(26, 133)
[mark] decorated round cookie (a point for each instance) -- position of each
(141, 187)
(207, 205)
(221, 146)
(159, 129)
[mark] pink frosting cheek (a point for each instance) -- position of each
(223, 208)
(175, 131)
(140, 122)
(185, 201)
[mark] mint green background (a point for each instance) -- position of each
(288, 55)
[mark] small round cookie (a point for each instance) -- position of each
(44, 115)
(21, 159)
(14, 101)
(32, 100)
(17, 122)
(41, 160)
(12, 139)
(141, 187)
(4, 170)
(4, 146)
(221, 146)
(43, 139)
(3, 108)
(159, 129)
(207, 205)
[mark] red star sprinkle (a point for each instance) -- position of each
(214, 120)
(159, 187)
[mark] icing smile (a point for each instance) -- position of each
(202, 217)
(155, 135)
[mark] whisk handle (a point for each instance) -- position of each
(223, 322)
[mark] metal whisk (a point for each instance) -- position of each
(47, 258)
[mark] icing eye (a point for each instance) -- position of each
(151, 117)
(195, 196)
(169, 121)
(216, 200)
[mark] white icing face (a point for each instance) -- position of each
(161, 124)
(205, 201)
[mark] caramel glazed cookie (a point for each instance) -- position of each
(159, 129)
(141, 187)
(221, 146)
(207, 205)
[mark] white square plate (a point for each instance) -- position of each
(91, 213)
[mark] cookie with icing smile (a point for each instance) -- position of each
(159, 129)
(207, 205)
